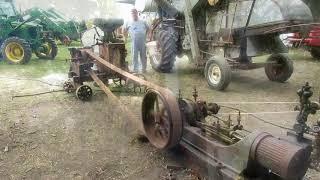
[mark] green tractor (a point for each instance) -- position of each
(20, 36)
(72, 28)
(50, 23)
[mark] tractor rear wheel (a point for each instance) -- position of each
(16, 50)
(218, 74)
(163, 60)
(279, 68)
(315, 52)
(47, 50)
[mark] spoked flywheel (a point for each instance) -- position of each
(161, 119)
(84, 93)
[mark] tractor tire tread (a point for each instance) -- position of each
(26, 46)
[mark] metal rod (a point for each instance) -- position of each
(123, 73)
(298, 25)
(102, 85)
(250, 14)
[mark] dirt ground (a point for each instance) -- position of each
(56, 136)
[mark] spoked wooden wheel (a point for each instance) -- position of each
(162, 119)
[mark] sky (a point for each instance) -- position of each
(80, 9)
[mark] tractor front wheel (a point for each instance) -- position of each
(218, 74)
(47, 50)
(315, 52)
(16, 50)
(279, 68)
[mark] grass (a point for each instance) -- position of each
(128, 47)
(38, 67)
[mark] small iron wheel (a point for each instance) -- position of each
(68, 86)
(84, 93)
(162, 119)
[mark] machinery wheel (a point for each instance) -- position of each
(162, 120)
(16, 50)
(47, 50)
(68, 86)
(84, 93)
(315, 52)
(165, 57)
(279, 67)
(218, 74)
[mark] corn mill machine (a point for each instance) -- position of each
(218, 148)
(102, 47)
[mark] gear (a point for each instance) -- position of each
(68, 86)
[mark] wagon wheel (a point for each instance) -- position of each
(162, 119)
(84, 93)
(279, 68)
(218, 73)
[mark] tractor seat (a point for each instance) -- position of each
(108, 25)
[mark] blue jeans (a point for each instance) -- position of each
(139, 48)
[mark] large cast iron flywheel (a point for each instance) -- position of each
(161, 118)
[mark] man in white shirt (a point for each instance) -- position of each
(137, 30)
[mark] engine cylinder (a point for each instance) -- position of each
(287, 160)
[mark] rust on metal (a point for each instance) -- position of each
(161, 118)
(219, 147)
(285, 159)
(123, 72)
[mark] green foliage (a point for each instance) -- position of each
(37, 68)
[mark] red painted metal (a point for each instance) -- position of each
(312, 40)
